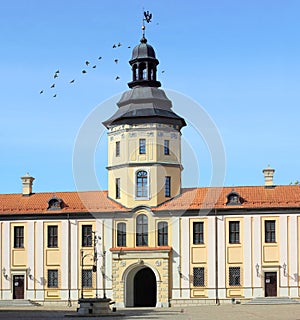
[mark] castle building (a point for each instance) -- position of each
(145, 242)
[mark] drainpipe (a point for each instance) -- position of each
(217, 259)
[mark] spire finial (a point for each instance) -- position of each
(147, 17)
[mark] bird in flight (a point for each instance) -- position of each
(54, 96)
(53, 85)
(129, 47)
(42, 91)
(99, 58)
(94, 67)
(114, 46)
(57, 71)
(72, 81)
(87, 63)
(119, 44)
(163, 71)
(55, 75)
(117, 77)
(83, 71)
(116, 60)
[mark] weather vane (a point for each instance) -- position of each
(147, 17)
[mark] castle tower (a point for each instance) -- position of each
(144, 138)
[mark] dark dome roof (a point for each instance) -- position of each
(143, 50)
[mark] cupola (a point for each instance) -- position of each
(144, 66)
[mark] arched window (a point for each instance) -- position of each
(121, 234)
(162, 235)
(141, 230)
(142, 71)
(141, 184)
(135, 73)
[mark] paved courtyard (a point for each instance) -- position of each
(223, 312)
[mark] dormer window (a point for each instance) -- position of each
(234, 199)
(55, 203)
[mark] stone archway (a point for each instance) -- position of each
(141, 287)
(144, 287)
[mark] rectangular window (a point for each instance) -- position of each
(198, 277)
(198, 236)
(117, 148)
(87, 235)
(270, 231)
(167, 186)
(234, 276)
(142, 146)
(234, 232)
(166, 147)
(87, 278)
(52, 237)
(162, 233)
(52, 279)
(121, 234)
(18, 237)
(118, 195)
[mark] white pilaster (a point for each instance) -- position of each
(221, 257)
(30, 258)
(6, 250)
(185, 258)
(293, 256)
(283, 255)
(64, 259)
(175, 224)
(74, 259)
(211, 262)
(248, 264)
(257, 247)
(39, 259)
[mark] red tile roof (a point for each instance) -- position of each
(255, 197)
(89, 201)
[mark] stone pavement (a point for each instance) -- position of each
(223, 312)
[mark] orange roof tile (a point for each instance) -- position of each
(255, 197)
(89, 201)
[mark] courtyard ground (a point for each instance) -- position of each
(223, 312)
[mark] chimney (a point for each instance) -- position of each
(268, 174)
(27, 182)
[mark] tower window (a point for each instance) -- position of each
(118, 191)
(162, 233)
(166, 147)
(234, 232)
(142, 72)
(141, 184)
(142, 146)
(198, 232)
(270, 231)
(87, 234)
(121, 234)
(117, 148)
(141, 230)
(167, 186)
(52, 237)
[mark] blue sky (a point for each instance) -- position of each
(239, 60)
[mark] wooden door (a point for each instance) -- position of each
(18, 287)
(270, 284)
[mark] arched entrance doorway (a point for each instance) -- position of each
(140, 286)
(144, 287)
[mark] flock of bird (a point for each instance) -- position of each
(83, 71)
